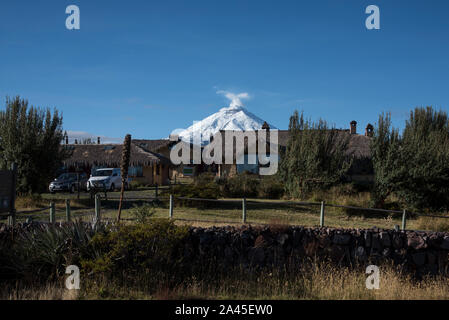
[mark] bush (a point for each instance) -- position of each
(203, 187)
(270, 188)
(42, 251)
(136, 185)
(241, 185)
(143, 213)
(30, 201)
(131, 249)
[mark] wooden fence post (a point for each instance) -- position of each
(12, 216)
(97, 208)
(404, 219)
(244, 210)
(52, 212)
(67, 210)
(170, 212)
(322, 214)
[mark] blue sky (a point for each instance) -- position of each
(148, 67)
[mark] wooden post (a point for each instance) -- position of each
(12, 216)
(52, 212)
(97, 208)
(322, 214)
(170, 212)
(244, 210)
(67, 210)
(78, 184)
(404, 219)
(156, 192)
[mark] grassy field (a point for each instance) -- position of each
(316, 283)
(258, 212)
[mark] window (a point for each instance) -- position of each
(135, 171)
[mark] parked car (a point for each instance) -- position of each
(68, 182)
(105, 179)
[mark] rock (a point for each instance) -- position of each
(419, 258)
(431, 258)
(360, 253)
(260, 242)
(206, 238)
(385, 239)
(416, 242)
(297, 236)
(445, 243)
(257, 256)
(375, 242)
(368, 238)
(282, 238)
(397, 241)
(341, 239)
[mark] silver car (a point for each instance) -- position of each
(105, 179)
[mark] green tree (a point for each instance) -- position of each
(389, 169)
(414, 166)
(315, 157)
(31, 137)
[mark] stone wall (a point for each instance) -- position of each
(416, 252)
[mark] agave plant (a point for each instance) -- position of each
(44, 250)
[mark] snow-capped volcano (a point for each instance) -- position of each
(234, 117)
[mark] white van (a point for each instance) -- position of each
(105, 179)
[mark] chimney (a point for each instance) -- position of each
(265, 126)
(98, 140)
(369, 131)
(353, 127)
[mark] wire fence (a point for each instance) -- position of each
(238, 210)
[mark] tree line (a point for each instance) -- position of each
(412, 165)
(31, 137)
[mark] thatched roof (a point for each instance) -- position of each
(358, 147)
(111, 155)
(152, 145)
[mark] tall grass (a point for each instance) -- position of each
(318, 281)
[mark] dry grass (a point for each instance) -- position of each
(428, 223)
(316, 283)
(48, 292)
(258, 211)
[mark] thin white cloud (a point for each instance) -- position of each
(236, 99)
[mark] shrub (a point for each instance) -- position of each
(30, 201)
(270, 187)
(241, 185)
(202, 187)
(136, 185)
(143, 213)
(135, 248)
(42, 251)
